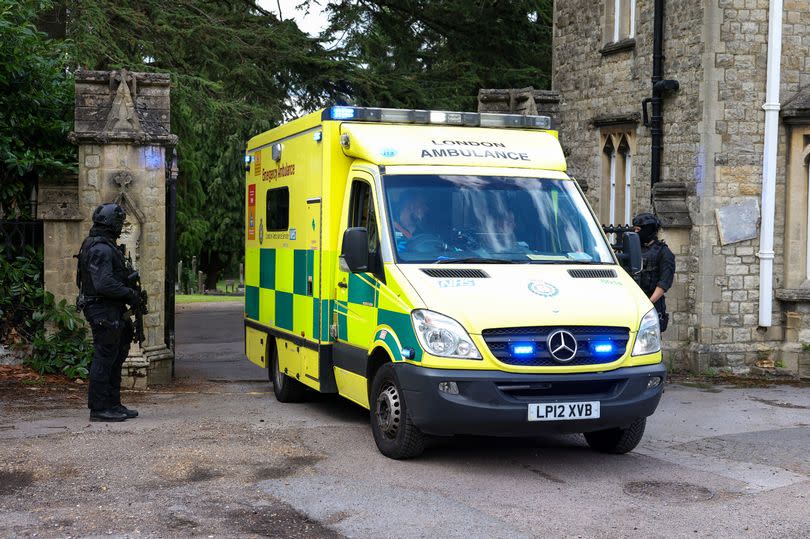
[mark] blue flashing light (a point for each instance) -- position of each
(602, 347)
(343, 113)
(523, 349)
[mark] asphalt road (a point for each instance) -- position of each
(215, 455)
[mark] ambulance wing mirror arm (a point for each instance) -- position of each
(355, 249)
(630, 257)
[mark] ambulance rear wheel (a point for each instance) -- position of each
(394, 432)
(285, 388)
(617, 441)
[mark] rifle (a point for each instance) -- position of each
(629, 257)
(138, 310)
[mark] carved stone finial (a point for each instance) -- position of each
(122, 116)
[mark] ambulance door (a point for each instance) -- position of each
(357, 294)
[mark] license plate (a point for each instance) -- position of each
(557, 411)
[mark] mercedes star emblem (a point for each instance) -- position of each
(562, 346)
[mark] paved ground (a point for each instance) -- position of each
(215, 455)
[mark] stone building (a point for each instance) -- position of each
(710, 193)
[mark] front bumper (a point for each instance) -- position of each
(496, 403)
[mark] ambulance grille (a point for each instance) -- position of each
(455, 273)
(500, 343)
(592, 273)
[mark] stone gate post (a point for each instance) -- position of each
(123, 132)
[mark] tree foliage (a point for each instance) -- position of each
(36, 106)
(236, 70)
(437, 54)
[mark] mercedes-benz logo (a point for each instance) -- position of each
(562, 346)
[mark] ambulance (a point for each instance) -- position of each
(441, 270)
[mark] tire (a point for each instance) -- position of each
(285, 388)
(394, 433)
(617, 441)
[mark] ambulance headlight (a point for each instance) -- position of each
(442, 336)
(648, 339)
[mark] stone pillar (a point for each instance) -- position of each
(123, 132)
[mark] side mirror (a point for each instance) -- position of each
(355, 249)
(631, 253)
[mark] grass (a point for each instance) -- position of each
(203, 298)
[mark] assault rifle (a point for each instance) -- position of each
(138, 310)
(627, 247)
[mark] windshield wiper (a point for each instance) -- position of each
(475, 260)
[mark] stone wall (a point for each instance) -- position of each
(713, 144)
(602, 85)
(122, 130)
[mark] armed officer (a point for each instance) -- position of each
(104, 293)
(658, 269)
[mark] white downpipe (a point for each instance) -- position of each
(771, 107)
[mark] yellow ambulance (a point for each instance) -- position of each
(441, 270)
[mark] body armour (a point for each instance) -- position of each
(658, 268)
(101, 273)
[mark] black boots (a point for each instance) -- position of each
(114, 414)
(129, 412)
(109, 415)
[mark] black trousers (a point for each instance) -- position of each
(112, 334)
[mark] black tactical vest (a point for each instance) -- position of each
(650, 272)
(84, 279)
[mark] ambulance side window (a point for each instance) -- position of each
(361, 213)
(278, 209)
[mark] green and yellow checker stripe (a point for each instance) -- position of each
(281, 290)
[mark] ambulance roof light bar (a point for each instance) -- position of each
(436, 117)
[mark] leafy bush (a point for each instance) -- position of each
(30, 315)
(66, 349)
(20, 296)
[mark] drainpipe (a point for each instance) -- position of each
(660, 89)
(771, 107)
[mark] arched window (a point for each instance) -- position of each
(617, 177)
(797, 208)
(620, 20)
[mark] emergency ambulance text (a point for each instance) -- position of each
(284, 170)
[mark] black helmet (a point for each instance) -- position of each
(110, 216)
(643, 219)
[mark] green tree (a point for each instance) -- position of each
(36, 106)
(236, 70)
(438, 53)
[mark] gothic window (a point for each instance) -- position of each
(797, 205)
(617, 177)
(620, 20)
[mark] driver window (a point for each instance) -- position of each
(362, 214)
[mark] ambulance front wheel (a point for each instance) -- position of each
(394, 432)
(617, 441)
(285, 388)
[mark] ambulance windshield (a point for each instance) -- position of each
(491, 219)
